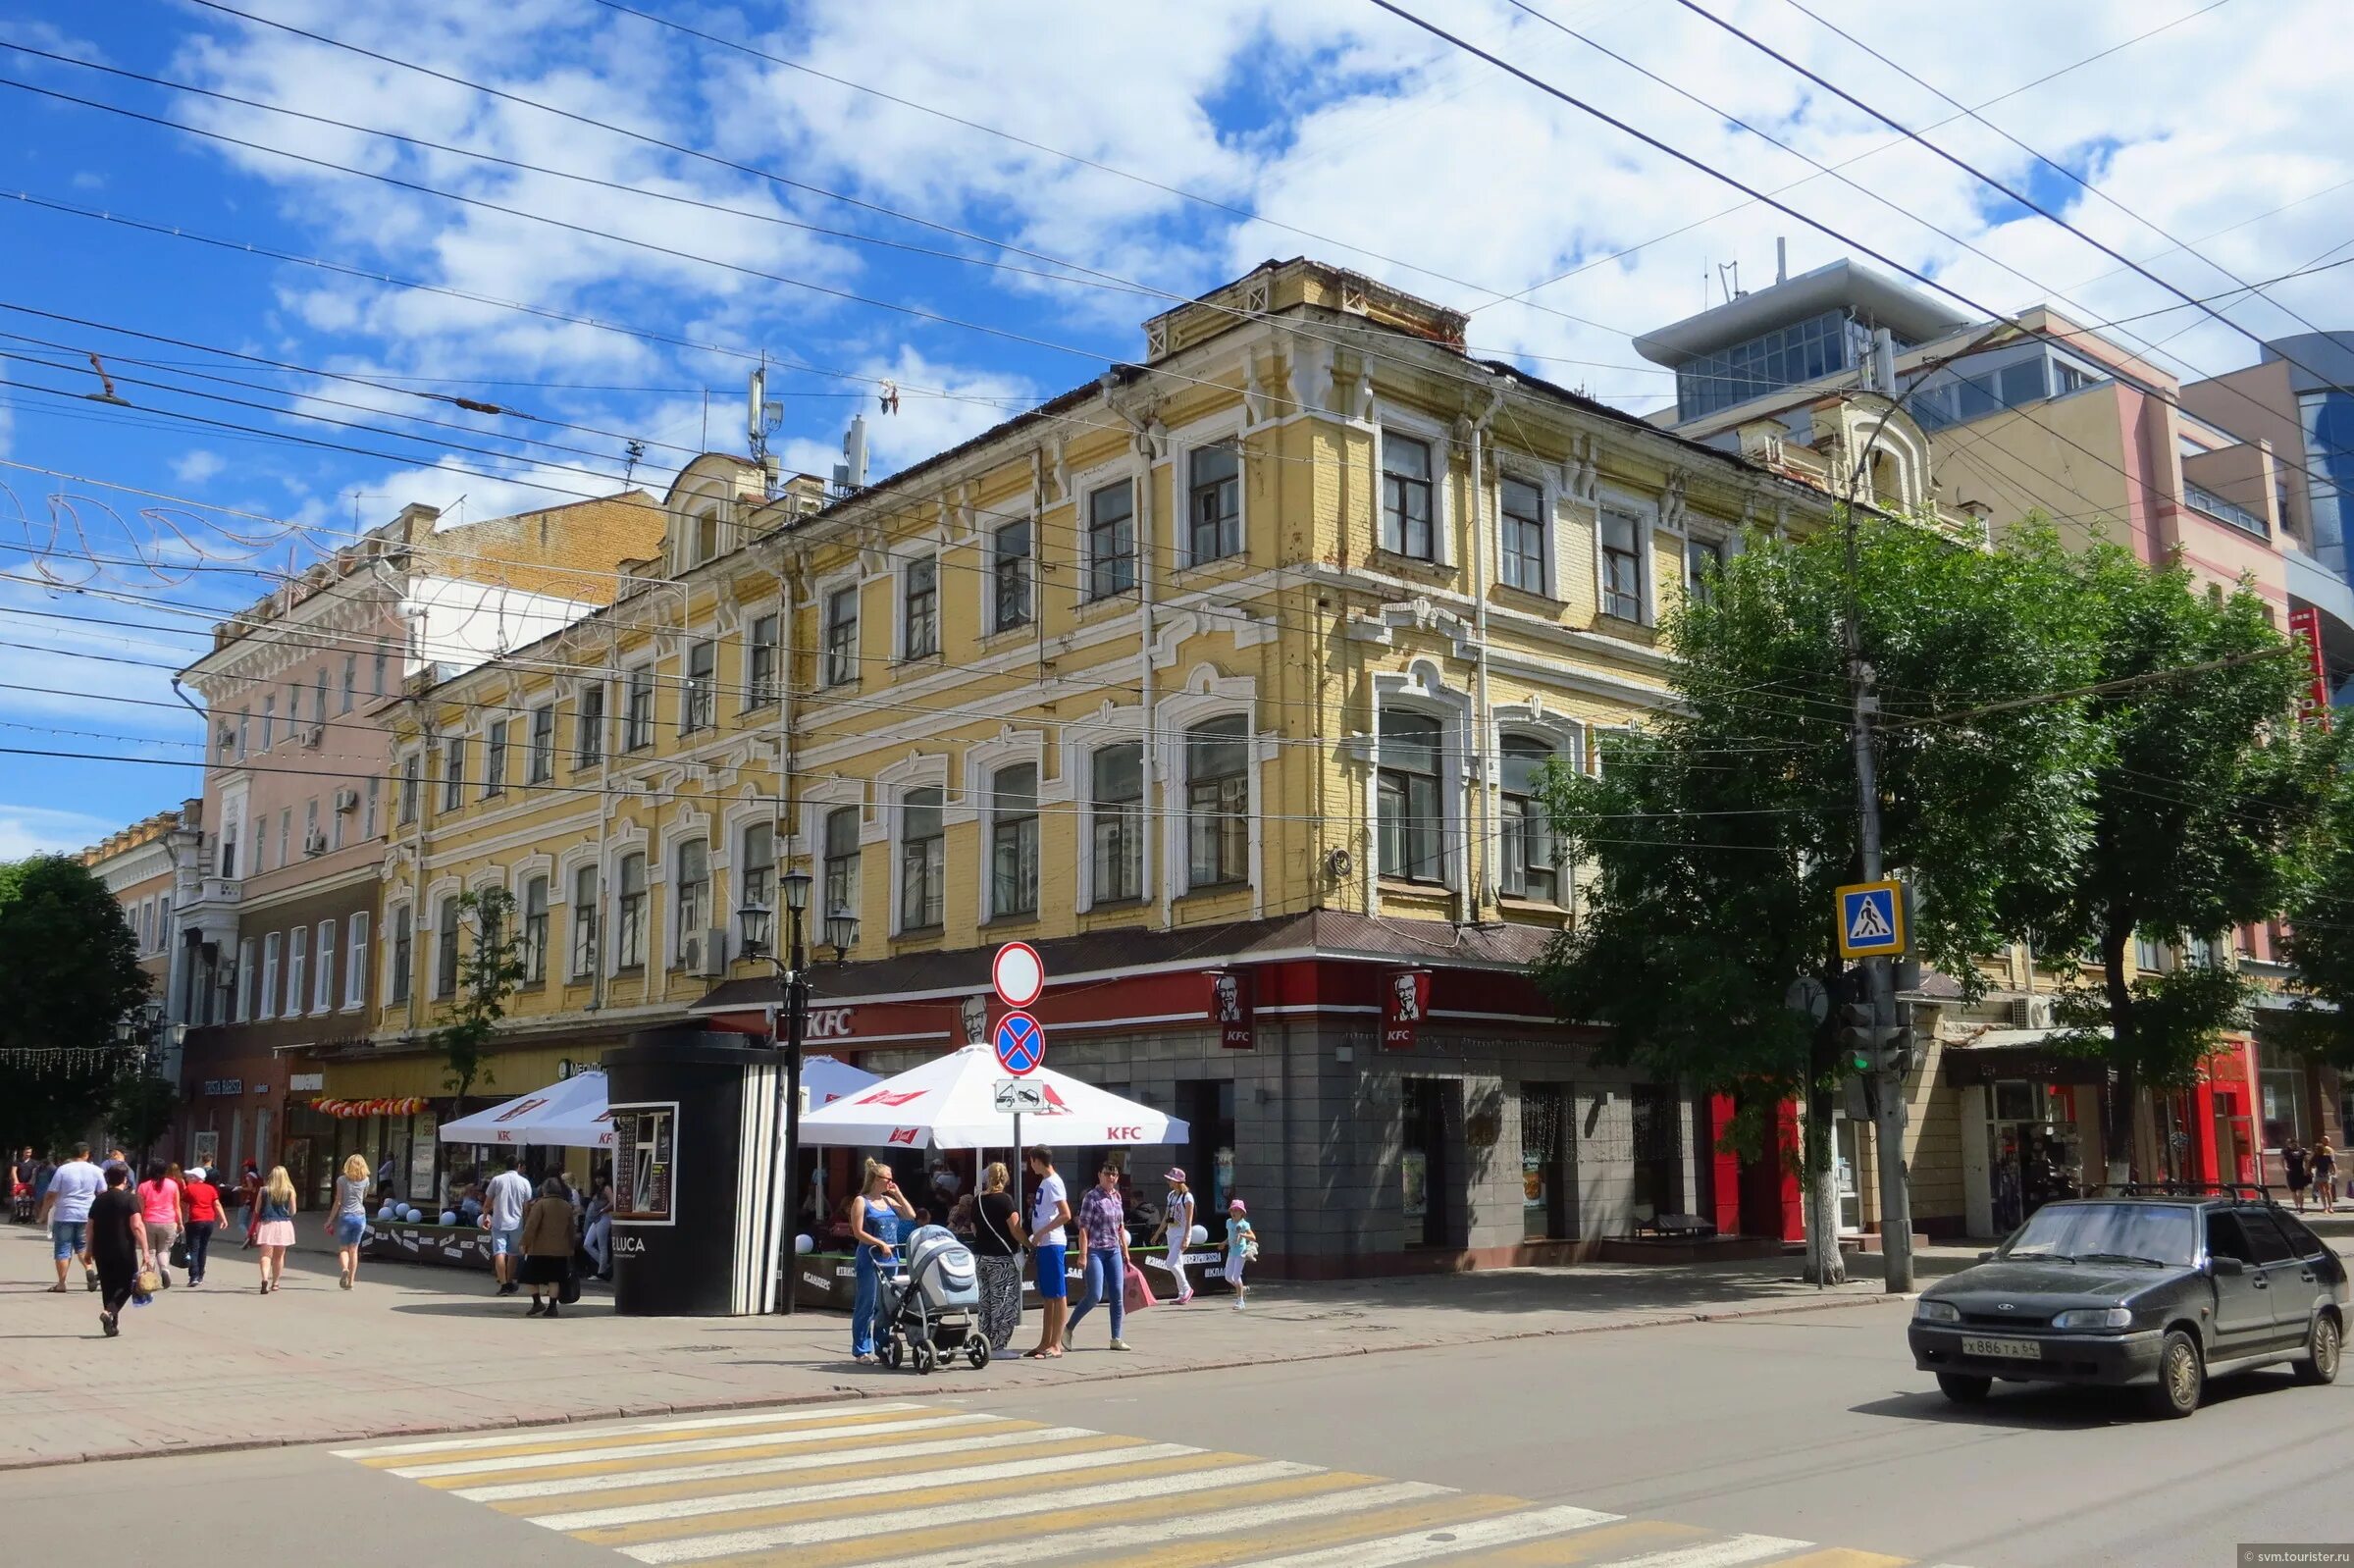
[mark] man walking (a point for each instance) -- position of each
(67, 1208)
(502, 1216)
(119, 1243)
(1050, 1212)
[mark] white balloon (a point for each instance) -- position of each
(1197, 1236)
(448, 1217)
(801, 1243)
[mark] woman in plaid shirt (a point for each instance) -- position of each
(1103, 1221)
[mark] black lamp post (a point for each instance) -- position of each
(793, 971)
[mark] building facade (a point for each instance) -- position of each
(142, 866)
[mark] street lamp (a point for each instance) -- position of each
(793, 970)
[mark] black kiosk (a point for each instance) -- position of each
(697, 1119)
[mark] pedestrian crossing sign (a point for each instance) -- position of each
(1871, 921)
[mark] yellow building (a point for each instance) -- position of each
(1223, 680)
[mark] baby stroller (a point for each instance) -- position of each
(928, 1309)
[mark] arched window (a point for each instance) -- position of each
(922, 900)
(756, 882)
(1116, 809)
(694, 906)
(1412, 821)
(1013, 840)
(842, 860)
(1218, 802)
(629, 922)
(1531, 868)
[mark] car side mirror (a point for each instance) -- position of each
(2225, 1268)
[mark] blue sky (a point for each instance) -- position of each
(1349, 134)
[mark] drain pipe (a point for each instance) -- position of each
(1482, 739)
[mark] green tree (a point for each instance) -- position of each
(490, 967)
(2209, 811)
(2320, 945)
(69, 973)
(1713, 840)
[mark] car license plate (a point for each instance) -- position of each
(2010, 1349)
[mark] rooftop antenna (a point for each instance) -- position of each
(1781, 258)
(635, 452)
(761, 416)
(1731, 291)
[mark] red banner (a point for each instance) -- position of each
(2304, 623)
(1404, 1005)
(1233, 1007)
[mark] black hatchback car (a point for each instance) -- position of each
(2162, 1291)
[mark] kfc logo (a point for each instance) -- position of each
(828, 1023)
(1403, 1009)
(1230, 1009)
(1123, 1135)
(906, 1135)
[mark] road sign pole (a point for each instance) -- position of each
(1888, 1067)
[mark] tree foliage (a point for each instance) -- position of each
(2321, 943)
(69, 973)
(490, 967)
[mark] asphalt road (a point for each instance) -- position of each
(1804, 1437)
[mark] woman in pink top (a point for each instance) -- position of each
(159, 1208)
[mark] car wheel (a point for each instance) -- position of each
(2323, 1342)
(2181, 1376)
(1962, 1388)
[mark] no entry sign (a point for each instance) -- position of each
(1017, 974)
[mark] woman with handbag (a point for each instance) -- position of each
(997, 1255)
(159, 1212)
(118, 1239)
(273, 1225)
(548, 1247)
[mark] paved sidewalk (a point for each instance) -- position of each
(420, 1351)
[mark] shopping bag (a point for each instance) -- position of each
(570, 1291)
(180, 1252)
(1139, 1292)
(149, 1282)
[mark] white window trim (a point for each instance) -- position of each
(1111, 725)
(392, 914)
(1645, 512)
(1206, 696)
(1182, 444)
(631, 839)
(1133, 471)
(910, 553)
(248, 980)
(984, 760)
(1566, 735)
(273, 943)
(1388, 416)
(892, 786)
(661, 891)
(298, 941)
(323, 982)
(851, 577)
(355, 960)
(1422, 689)
(1548, 512)
(990, 526)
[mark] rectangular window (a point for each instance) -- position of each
(693, 910)
(1524, 552)
(351, 680)
(444, 948)
(286, 838)
(229, 850)
(375, 802)
(1407, 797)
(1013, 840)
(453, 772)
(1406, 518)
(1117, 813)
(1213, 503)
(1112, 540)
(1009, 569)
(335, 825)
(588, 731)
(535, 931)
(760, 661)
(1703, 559)
(401, 937)
(245, 982)
(642, 1138)
(1622, 564)
(318, 696)
(637, 719)
(920, 609)
(244, 733)
(493, 759)
(313, 840)
(1530, 870)
(269, 997)
(706, 537)
(756, 877)
(411, 775)
(842, 637)
(298, 942)
(542, 743)
(922, 846)
(697, 703)
(1218, 802)
(842, 860)
(382, 660)
(356, 961)
(584, 921)
(323, 990)
(629, 949)
(269, 722)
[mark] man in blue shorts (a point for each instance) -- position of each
(502, 1216)
(67, 1208)
(1050, 1212)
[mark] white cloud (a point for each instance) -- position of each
(195, 468)
(44, 830)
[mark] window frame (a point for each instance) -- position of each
(531, 926)
(323, 979)
(842, 895)
(1611, 601)
(755, 872)
(1015, 832)
(763, 648)
(494, 759)
(1227, 539)
(453, 772)
(400, 956)
(298, 946)
(446, 963)
(629, 914)
(920, 607)
(689, 895)
(542, 768)
(1013, 577)
(581, 942)
(273, 943)
(933, 847)
(1104, 883)
(699, 686)
(1715, 550)
(1406, 789)
(1102, 574)
(1229, 821)
(1515, 824)
(355, 961)
(1512, 562)
(838, 634)
(638, 723)
(412, 787)
(1392, 426)
(588, 725)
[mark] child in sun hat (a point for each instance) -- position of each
(1241, 1248)
(1176, 1229)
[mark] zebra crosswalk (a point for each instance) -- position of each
(917, 1486)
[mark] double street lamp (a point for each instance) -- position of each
(757, 924)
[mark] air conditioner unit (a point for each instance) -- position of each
(313, 736)
(314, 842)
(715, 954)
(347, 800)
(2030, 1012)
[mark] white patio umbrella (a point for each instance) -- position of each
(569, 1114)
(951, 1103)
(825, 1079)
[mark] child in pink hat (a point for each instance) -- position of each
(1241, 1248)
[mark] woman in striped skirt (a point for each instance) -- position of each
(997, 1254)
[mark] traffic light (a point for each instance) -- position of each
(1871, 1046)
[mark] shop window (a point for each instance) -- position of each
(584, 921)
(1218, 802)
(535, 931)
(1407, 801)
(1406, 498)
(1115, 811)
(1524, 552)
(1013, 840)
(1547, 1206)
(1213, 504)
(920, 609)
(1009, 569)
(1531, 860)
(842, 860)
(1657, 1149)
(642, 1141)
(1112, 540)
(923, 894)
(628, 945)
(1431, 1123)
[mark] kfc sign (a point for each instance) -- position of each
(1231, 1008)
(1123, 1135)
(828, 1023)
(1404, 1006)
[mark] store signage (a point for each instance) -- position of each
(828, 1023)
(305, 1082)
(226, 1086)
(973, 1014)
(1404, 1006)
(1232, 1008)
(2305, 625)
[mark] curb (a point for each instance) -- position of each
(846, 1394)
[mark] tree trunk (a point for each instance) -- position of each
(2116, 1121)
(1825, 1265)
